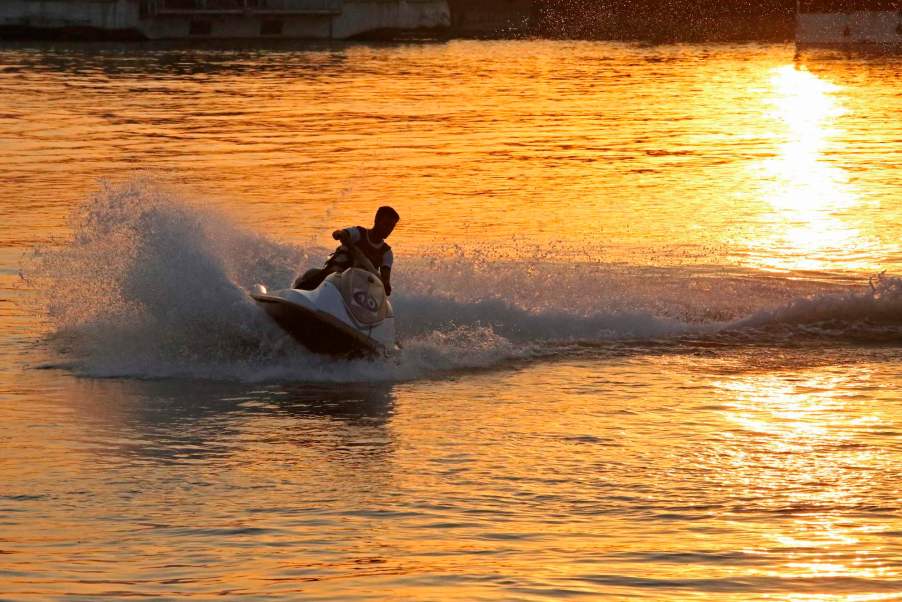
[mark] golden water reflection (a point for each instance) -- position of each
(642, 470)
(798, 446)
(597, 153)
(810, 197)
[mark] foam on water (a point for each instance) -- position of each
(153, 286)
(872, 313)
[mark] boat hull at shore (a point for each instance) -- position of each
(879, 28)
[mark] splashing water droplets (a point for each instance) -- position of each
(151, 285)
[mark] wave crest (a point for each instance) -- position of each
(151, 285)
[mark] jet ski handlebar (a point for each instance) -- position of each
(361, 260)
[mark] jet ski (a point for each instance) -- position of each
(347, 315)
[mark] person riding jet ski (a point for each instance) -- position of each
(369, 241)
(343, 308)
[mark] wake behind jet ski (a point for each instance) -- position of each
(343, 308)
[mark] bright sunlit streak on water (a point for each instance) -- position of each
(794, 423)
(811, 198)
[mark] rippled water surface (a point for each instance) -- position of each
(648, 296)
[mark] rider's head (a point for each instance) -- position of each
(386, 220)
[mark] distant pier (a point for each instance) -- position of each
(838, 23)
(221, 19)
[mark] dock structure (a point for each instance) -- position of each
(221, 19)
(869, 24)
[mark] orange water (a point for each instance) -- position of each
(642, 358)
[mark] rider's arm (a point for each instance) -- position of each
(385, 272)
(347, 235)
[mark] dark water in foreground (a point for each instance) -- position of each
(642, 357)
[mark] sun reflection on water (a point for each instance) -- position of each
(810, 198)
(801, 459)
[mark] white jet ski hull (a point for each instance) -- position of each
(320, 321)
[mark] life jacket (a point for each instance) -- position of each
(375, 253)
